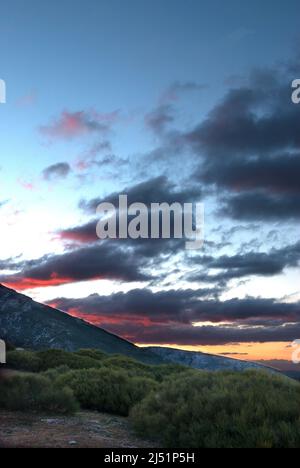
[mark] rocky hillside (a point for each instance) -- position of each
(204, 361)
(28, 324)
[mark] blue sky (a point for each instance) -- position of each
(112, 68)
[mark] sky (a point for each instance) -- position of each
(163, 100)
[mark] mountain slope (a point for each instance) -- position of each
(28, 324)
(204, 361)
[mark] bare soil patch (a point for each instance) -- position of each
(84, 430)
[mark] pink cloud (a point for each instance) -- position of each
(70, 125)
(26, 185)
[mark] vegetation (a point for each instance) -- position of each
(108, 390)
(36, 393)
(50, 359)
(24, 361)
(176, 405)
(249, 409)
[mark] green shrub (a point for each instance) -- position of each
(107, 390)
(53, 374)
(54, 358)
(131, 366)
(31, 392)
(92, 353)
(202, 409)
(23, 360)
(164, 371)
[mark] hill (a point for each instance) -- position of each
(205, 361)
(29, 324)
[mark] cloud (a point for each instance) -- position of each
(103, 260)
(247, 264)
(57, 171)
(248, 149)
(159, 119)
(277, 175)
(167, 317)
(88, 157)
(84, 233)
(181, 306)
(155, 190)
(259, 206)
(27, 185)
(70, 125)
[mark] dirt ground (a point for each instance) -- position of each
(85, 430)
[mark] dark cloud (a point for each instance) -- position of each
(278, 175)
(209, 335)
(167, 317)
(57, 171)
(180, 306)
(247, 264)
(144, 248)
(155, 190)
(257, 119)
(159, 119)
(260, 206)
(100, 261)
(248, 149)
(85, 233)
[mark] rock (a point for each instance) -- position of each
(50, 421)
(72, 442)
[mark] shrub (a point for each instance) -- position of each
(54, 358)
(131, 366)
(53, 374)
(92, 353)
(23, 360)
(107, 390)
(202, 409)
(165, 371)
(36, 393)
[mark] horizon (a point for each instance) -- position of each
(164, 104)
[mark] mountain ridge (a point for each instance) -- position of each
(29, 324)
(204, 361)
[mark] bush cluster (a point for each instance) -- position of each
(31, 392)
(24, 361)
(108, 390)
(222, 410)
(176, 405)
